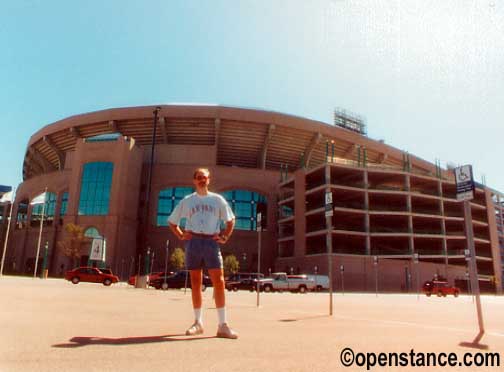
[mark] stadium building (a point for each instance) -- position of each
(396, 221)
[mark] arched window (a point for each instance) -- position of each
(168, 199)
(245, 205)
(95, 189)
(64, 204)
(22, 214)
(48, 209)
(92, 232)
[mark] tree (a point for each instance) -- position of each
(177, 259)
(231, 264)
(71, 247)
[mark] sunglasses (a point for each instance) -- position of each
(202, 178)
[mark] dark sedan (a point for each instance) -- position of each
(178, 280)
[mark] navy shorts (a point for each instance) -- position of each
(202, 253)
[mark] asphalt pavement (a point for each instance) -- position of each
(53, 325)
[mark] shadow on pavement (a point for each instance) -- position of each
(85, 341)
(303, 318)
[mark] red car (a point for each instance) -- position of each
(440, 288)
(90, 274)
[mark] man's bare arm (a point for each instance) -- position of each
(182, 235)
(224, 236)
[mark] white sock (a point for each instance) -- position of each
(221, 312)
(198, 316)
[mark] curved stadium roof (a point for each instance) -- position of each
(250, 138)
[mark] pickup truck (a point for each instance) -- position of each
(282, 282)
(321, 282)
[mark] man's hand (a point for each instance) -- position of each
(186, 235)
(221, 239)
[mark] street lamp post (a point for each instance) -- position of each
(44, 262)
(259, 229)
(6, 240)
(244, 258)
(149, 180)
(152, 262)
(147, 261)
(417, 263)
(122, 269)
(166, 263)
(375, 264)
(342, 271)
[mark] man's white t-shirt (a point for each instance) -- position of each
(203, 213)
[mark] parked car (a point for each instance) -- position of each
(244, 284)
(132, 280)
(247, 281)
(178, 280)
(152, 276)
(91, 275)
(440, 288)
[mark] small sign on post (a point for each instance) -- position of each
(467, 254)
(464, 182)
(329, 246)
(465, 192)
(328, 204)
(259, 229)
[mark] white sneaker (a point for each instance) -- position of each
(195, 329)
(225, 332)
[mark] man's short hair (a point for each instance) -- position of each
(201, 170)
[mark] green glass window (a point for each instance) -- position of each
(22, 214)
(95, 188)
(50, 207)
(245, 205)
(107, 137)
(64, 204)
(167, 201)
(286, 211)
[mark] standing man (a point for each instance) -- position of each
(204, 211)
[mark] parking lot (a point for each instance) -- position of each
(53, 325)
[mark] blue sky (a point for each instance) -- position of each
(428, 76)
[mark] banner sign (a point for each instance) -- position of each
(97, 250)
